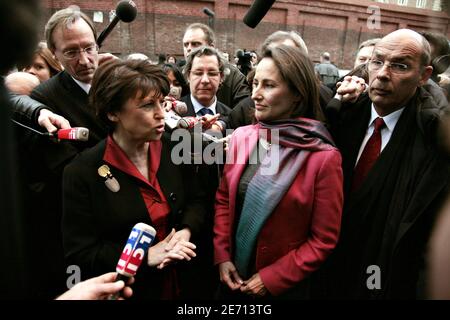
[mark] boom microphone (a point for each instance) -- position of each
(257, 12)
(126, 11)
(209, 12)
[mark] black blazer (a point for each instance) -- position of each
(96, 222)
(397, 202)
(66, 98)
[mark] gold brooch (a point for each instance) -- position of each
(110, 182)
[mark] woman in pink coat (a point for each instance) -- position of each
(278, 208)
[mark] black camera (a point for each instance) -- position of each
(244, 61)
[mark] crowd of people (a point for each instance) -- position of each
(330, 187)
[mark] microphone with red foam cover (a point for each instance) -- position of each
(77, 134)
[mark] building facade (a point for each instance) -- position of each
(336, 26)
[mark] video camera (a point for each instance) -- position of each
(244, 61)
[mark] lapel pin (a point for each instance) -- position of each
(110, 182)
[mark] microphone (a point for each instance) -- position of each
(209, 12)
(172, 117)
(187, 122)
(139, 240)
(77, 133)
(74, 134)
(239, 53)
(126, 11)
(257, 12)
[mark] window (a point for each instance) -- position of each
(421, 3)
(437, 5)
(402, 2)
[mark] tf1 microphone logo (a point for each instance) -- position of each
(132, 255)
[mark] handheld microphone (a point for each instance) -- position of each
(77, 133)
(74, 134)
(139, 240)
(172, 117)
(126, 11)
(188, 122)
(257, 12)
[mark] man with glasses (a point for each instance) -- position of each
(234, 88)
(71, 37)
(394, 176)
(204, 71)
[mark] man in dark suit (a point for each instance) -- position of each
(394, 176)
(234, 87)
(71, 37)
(205, 72)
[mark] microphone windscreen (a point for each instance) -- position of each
(187, 122)
(139, 240)
(126, 10)
(180, 108)
(239, 53)
(208, 12)
(257, 12)
(82, 134)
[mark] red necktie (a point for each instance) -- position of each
(369, 155)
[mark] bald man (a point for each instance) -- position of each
(394, 176)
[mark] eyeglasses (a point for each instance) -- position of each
(395, 67)
(209, 74)
(72, 54)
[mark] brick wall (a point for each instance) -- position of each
(335, 26)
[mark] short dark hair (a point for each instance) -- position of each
(117, 81)
(204, 51)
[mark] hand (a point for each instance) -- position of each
(168, 103)
(160, 256)
(351, 88)
(254, 286)
(99, 288)
(51, 121)
(226, 142)
(105, 57)
(209, 122)
(229, 275)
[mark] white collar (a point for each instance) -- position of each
(198, 106)
(85, 86)
(390, 120)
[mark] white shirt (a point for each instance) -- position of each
(198, 106)
(85, 86)
(390, 120)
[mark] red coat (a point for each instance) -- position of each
(304, 227)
